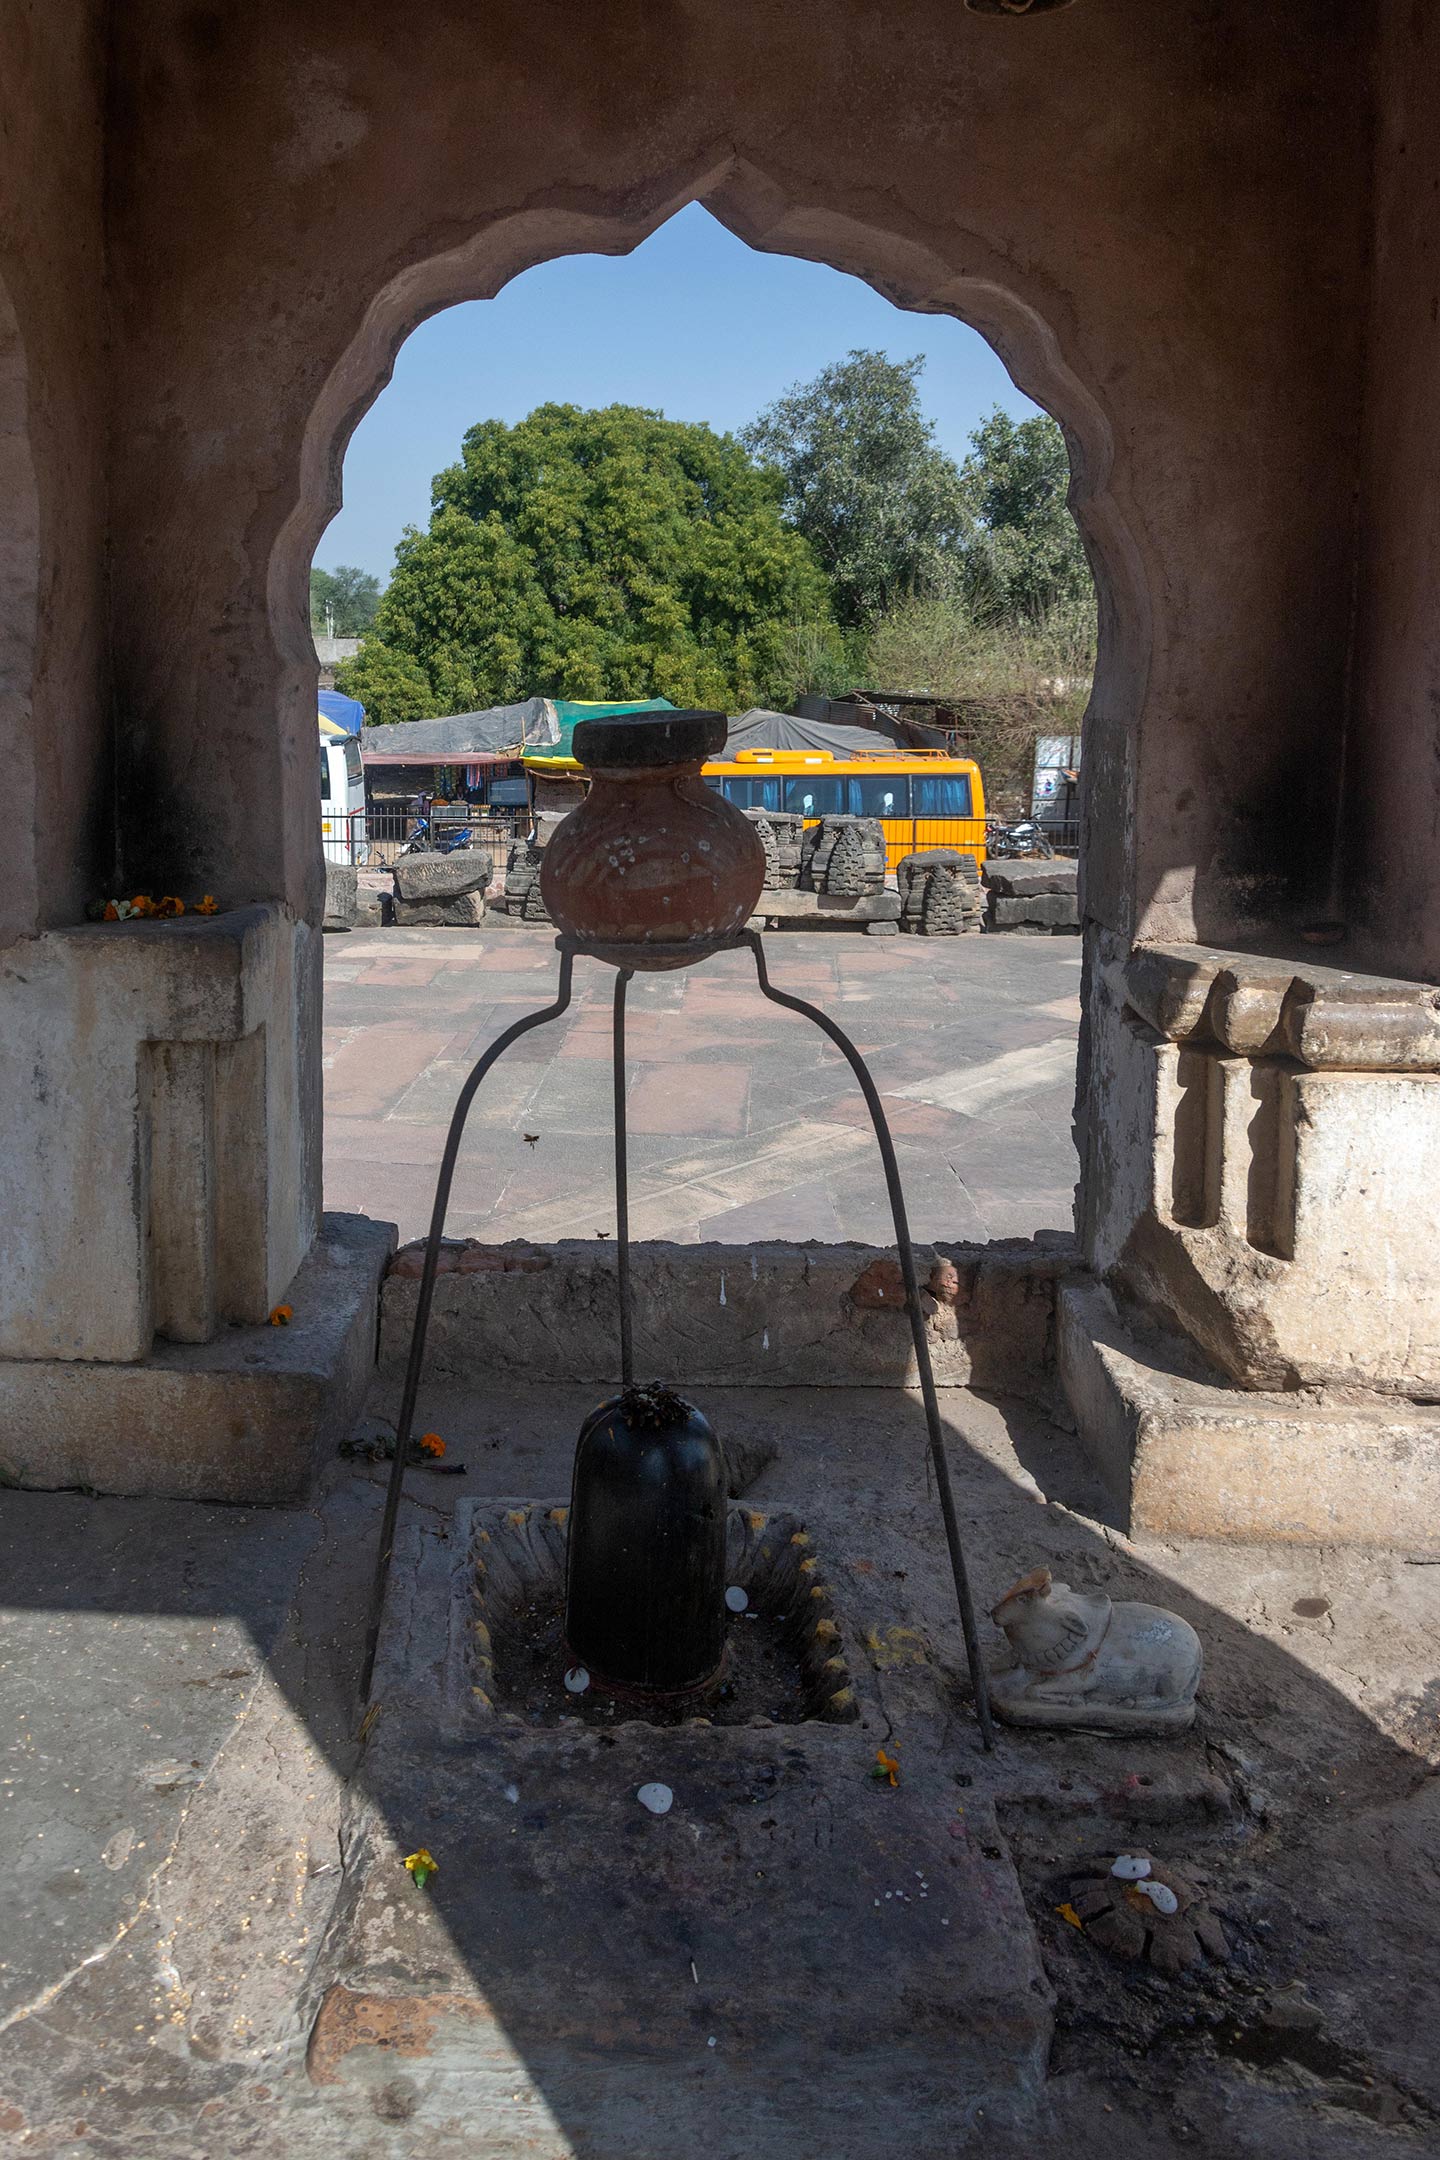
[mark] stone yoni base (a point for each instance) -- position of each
(244, 1418)
(1189, 1459)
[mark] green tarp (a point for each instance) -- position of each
(567, 712)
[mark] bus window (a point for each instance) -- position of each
(712, 782)
(738, 792)
(324, 775)
(883, 795)
(941, 795)
(813, 797)
(767, 794)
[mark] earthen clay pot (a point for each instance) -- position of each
(654, 868)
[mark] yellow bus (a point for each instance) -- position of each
(923, 798)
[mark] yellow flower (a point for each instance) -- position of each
(887, 1767)
(421, 1866)
(1069, 1915)
(207, 906)
(431, 1444)
(282, 1316)
(142, 904)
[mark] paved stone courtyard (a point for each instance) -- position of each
(744, 1122)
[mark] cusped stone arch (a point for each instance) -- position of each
(958, 273)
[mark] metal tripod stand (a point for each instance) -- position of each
(568, 949)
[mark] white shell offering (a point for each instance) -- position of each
(1130, 1868)
(1164, 1900)
(658, 1798)
(736, 1598)
(577, 1680)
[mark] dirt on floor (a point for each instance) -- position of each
(212, 1945)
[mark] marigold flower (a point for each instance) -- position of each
(112, 912)
(432, 1444)
(170, 905)
(142, 904)
(282, 1316)
(207, 906)
(422, 1865)
(887, 1767)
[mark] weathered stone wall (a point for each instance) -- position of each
(1391, 885)
(53, 707)
(767, 1315)
(1152, 224)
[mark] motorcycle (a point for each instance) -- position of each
(1011, 841)
(423, 842)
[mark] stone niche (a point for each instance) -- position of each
(1293, 1118)
(1262, 1204)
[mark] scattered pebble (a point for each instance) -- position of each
(711, 2041)
(577, 1680)
(1163, 1899)
(1129, 1868)
(512, 1794)
(659, 1799)
(737, 1598)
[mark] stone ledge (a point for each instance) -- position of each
(241, 1419)
(764, 1315)
(1190, 1458)
(1325, 1017)
(822, 910)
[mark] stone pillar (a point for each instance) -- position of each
(162, 1076)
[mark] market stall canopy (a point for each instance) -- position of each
(761, 730)
(347, 713)
(501, 731)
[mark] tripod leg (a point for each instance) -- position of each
(979, 1679)
(622, 1185)
(427, 1293)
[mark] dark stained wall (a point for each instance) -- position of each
(54, 737)
(1161, 214)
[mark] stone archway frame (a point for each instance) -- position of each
(934, 270)
(19, 628)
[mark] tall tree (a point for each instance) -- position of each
(606, 554)
(1023, 557)
(866, 482)
(343, 601)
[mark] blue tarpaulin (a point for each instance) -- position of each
(346, 712)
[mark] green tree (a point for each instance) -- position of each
(865, 482)
(389, 684)
(606, 554)
(1023, 554)
(343, 601)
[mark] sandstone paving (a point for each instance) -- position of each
(989, 1024)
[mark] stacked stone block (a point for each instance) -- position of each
(844, 855)
(445, 891)
(522, 900)
(940, 894)
(1033, 899)
(782, 836)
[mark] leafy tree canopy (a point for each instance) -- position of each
(593, 554)
(865, 482)
(1023, 556)
(343, 601)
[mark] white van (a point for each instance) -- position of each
(342, 800)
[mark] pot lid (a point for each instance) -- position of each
(654, 738)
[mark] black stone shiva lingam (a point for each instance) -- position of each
(655, 870)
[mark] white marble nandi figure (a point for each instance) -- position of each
(1083, 1660)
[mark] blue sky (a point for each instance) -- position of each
(694, 323)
